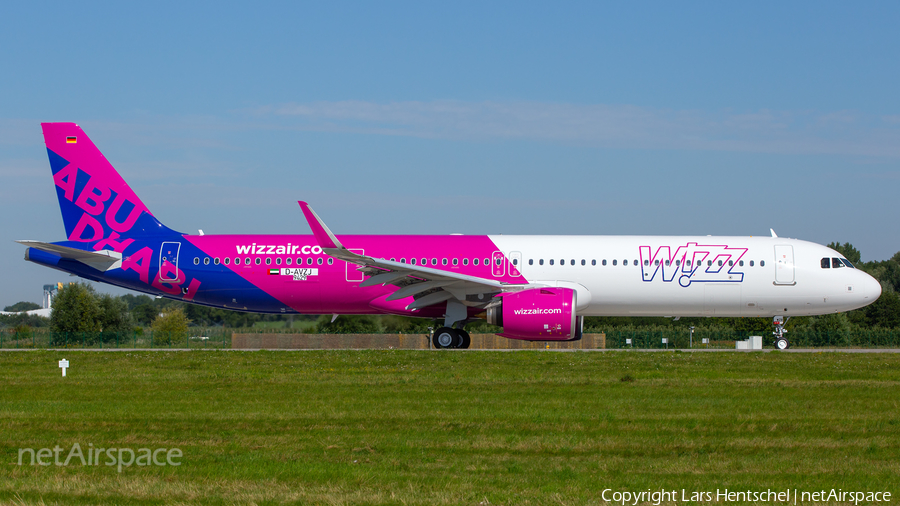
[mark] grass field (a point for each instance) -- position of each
(439, 427)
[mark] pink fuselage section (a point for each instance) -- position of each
(293, 270)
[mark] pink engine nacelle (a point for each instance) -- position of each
(538, 314)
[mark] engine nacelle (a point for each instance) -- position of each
(538, 314)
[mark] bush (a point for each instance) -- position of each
(171, 327)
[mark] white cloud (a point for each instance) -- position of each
(614, 126)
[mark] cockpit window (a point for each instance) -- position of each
(836, 263)
(847, 263)
(826, 263)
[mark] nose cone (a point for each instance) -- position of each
(871, 289)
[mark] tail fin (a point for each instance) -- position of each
(97, 205)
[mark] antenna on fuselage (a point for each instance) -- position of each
(773, 232)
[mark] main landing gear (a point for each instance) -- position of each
(781, 342)
(446, 337)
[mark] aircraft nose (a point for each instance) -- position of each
(872, 288)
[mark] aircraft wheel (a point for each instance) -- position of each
(782, 343)
(466, 340)
(445, 337)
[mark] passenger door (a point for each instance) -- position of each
(168, 261)
(784, 264)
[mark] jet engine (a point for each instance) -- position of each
(537, 314)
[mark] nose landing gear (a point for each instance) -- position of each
(781, 342)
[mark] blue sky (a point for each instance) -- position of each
(516, 118)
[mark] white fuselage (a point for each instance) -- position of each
(692, 276)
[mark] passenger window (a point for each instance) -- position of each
(227, 260)
(615, 262)
(636, 262)
(487, 262)
(762, 263)
(424, 261)
(393, 259)
(412, 261)
(541, 262)
(237, 260)
(572, 262)
(688, 263)
(709, 263)
(206, 261)
(465, 261)
(319, 261)
(751, 263)
(258, 260)
(624, 262)
(825, 263)
(731, 263)
(474, 261)
(455, 261)
(720, 263)
(593, 262)
(515, 261)
(498, 261)
(836, 263)
(668, 263)
(647, 262)
(268, 261)
(583, 262)
(741, 263)
(434, 261)
(330, 261)
(278, 261)
(603, 262)
(299, 261)
(677, 263)
(530, 261)
(309, 261)
(551, 261)
(444, 261)
(247, 261)
(196, 261)
(287, 261)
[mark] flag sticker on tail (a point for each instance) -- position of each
(71, 140)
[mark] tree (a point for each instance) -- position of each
(171, 327)
(359, 324)
(885, 312)
(75, 309)
(847, 249)
(21, 306)
(114, 315)
(144, 314)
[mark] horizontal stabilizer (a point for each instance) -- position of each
(102, 260)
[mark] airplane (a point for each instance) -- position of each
(536, 288)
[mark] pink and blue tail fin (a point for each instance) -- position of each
(97, 205)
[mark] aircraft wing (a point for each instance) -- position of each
(428, 286)
(102, 260)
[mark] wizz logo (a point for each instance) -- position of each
(692, 263)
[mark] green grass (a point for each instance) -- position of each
(444, 427)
